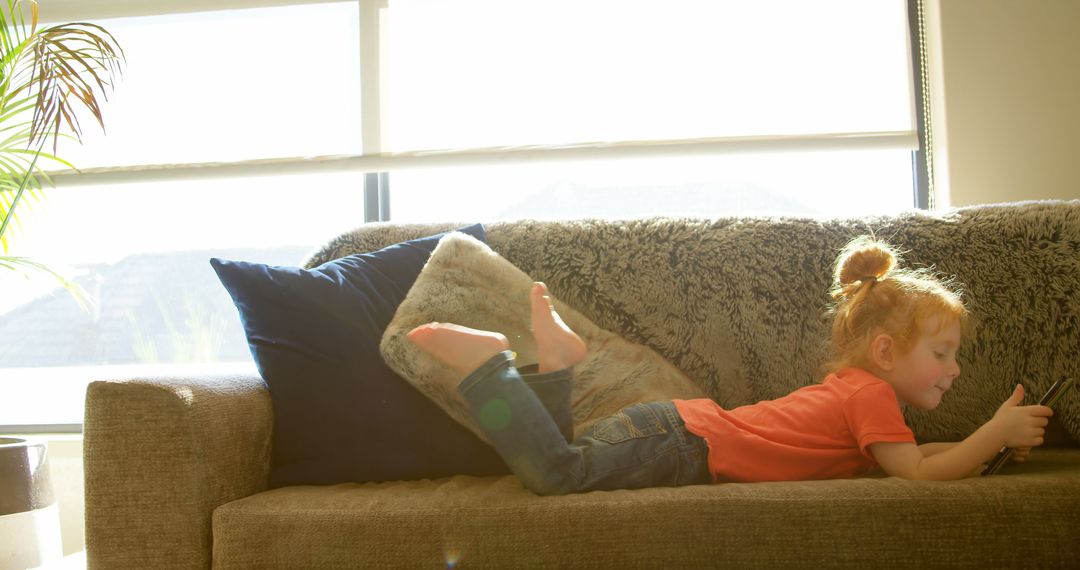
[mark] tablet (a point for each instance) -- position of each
(1049, 399)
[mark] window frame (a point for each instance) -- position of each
(377, 165)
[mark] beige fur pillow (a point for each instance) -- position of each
(467, 283)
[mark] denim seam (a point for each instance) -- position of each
(692, 455)
(495, 362)
(547, 377)
(651, 416)
(676, 422)
(631, 429)
(688, 450)
(678, 449)
(651, 459)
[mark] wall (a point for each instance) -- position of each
(1005, 79)
(66, 468)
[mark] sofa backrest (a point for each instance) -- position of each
(739, 303)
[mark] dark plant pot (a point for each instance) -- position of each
(29, 516)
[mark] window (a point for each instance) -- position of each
(484, 73)
(259, 83)
(138, 237)
(816, 184)
(257, 142)
(823, 87)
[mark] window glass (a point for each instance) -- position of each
(230, 85)
(141, 252)
(815, 184)
(218, 87)
(261, 83)
(479, 73)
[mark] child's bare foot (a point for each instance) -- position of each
(460, 348)
(557, 347)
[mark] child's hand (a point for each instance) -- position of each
(1020, 454)
(1021, 426)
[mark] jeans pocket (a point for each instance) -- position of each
(634, 422)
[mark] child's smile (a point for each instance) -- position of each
(922, 376)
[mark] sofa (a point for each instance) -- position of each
(180, 469)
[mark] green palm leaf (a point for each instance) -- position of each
(49, 76)
(26, 267)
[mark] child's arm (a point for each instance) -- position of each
(1019, 455)
(1013, 425)
(928, 449)
(937, 447)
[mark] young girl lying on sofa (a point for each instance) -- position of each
(895, 335)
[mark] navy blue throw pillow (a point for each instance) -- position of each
(340, 414)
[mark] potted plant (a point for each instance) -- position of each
(50, 77)
(28, 510)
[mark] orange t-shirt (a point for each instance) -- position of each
(817, 432)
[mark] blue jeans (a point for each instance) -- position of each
(528, 420)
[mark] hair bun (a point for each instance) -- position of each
(864, 259)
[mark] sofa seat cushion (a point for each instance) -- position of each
(493, 522)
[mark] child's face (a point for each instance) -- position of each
(922, 376)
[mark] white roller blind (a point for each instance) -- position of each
(492, 73)
(230, 85)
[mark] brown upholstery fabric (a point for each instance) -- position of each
(736, 304)
(1013, 520)
(160, 454)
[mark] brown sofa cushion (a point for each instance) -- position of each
(495, 523)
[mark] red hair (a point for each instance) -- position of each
(873, 296)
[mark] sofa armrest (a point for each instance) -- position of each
(160, 454)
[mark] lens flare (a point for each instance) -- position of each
(495, 414)
(453, 556)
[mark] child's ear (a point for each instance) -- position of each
(882, 352)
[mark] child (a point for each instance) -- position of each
(895, 335)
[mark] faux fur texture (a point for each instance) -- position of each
(465, 282)
(737, 303)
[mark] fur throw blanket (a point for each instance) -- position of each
(737, 304)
